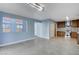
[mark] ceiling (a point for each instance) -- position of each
(53, 11)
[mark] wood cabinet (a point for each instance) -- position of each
(60, 34)
(74, 35)
(60, 24)
(78, 23)
(74, 23)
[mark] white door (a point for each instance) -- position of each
(38, 29)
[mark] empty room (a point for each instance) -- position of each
(39, 28)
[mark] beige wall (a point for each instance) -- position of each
(52, 29)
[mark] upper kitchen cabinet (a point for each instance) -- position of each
(74, 23)
(60, 24)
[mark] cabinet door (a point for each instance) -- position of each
(60, 34)
(74, 23)
(77, 23)
(60, 24)
(74, 35)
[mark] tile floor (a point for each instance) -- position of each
(40, 46)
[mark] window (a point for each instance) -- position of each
(12, 25)
(19, 25)
(6, 24)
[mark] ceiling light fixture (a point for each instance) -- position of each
(39, 7)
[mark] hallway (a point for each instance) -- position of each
(39, 46)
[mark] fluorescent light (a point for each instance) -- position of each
(39, 7)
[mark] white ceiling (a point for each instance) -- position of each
(54, 11)
(58, 11)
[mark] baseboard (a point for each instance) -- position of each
(6, 44)
(43, 37)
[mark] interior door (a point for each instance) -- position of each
(38, 29)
